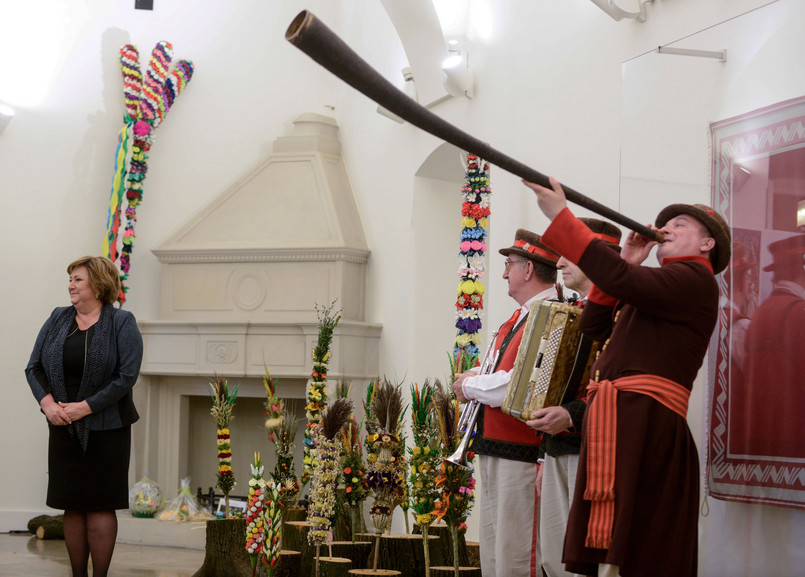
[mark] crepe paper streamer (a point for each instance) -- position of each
(113, 221)
(147, 100)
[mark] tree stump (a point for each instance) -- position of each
(404, 553)
(289, 564)
(51, 529)
(358, 552)
(441, 551)
(297, 541)
(294, 513)
(47, 526)
(225, 553)
(450, 571)
(334, 566)
(473, 554)
(374, 573)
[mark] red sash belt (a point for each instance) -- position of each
(601, 434)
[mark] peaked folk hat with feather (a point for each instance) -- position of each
(714, 222)
(528, 244)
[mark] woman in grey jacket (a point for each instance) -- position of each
(82, 369)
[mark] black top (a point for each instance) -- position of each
(75, 354)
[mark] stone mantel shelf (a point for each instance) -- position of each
(252, 255)
(240, 349)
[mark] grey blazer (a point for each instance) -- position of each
(111, 403)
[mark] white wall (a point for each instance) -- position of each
(549, 93)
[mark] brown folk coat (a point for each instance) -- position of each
(658, 321)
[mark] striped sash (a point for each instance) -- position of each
(601, 433)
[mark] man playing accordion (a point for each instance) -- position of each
(635, 509)
(509, 540)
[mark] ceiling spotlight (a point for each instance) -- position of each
(612, 8)
(458, 77)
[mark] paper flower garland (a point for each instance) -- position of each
(221, 411)
(317, 390)
(272, 521)
(255, 527)
(474, 226)
(148, 101)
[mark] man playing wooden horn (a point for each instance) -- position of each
(562, 427)
(635, 509)
(508, 448)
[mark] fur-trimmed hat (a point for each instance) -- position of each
(527, 244)
(787, 252)
(604, 230)
(714, 222)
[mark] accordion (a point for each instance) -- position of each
(553, 359)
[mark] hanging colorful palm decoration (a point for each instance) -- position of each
(148, 99)
(472, 250)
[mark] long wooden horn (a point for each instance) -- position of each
(315, 39)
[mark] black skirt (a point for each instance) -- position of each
(95, 480)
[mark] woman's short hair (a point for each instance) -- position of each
(104, 277)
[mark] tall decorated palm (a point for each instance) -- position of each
(255, 524)
(353, 474)
(284, 475)
(317, 390)
(222, 402)
(455, 483)
(387, 464)
(326, 465)
(281, 425)
(272, 521)
(425, 462)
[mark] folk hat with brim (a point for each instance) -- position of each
(528, 245)
(604, 230)
(787, 252)
(715, 223)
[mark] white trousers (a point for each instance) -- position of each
(558, 485)
(509, 543)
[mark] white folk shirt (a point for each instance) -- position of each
(491, 389)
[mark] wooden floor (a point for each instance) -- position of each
(23, 555)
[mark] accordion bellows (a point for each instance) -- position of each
(551, 362)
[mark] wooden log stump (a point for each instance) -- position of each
(404, 553)
(288, 565)
(295, 513)
(334, 566)
(358, 552)
(441, 551)
(34, 523)
(450, 571)
(51, 529)
(225, 552)
(297, 540)
(473, 554)
(374, 573)
(47, 526)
